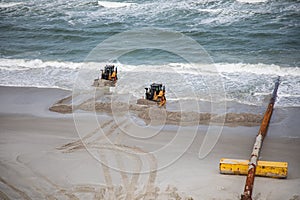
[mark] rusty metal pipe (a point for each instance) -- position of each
(247, 195)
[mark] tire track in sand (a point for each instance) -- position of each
(71, 146)
(13, 173)
(3, 196)
(117, 149)
(109, 190)
(20, 192)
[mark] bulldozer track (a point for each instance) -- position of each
(24, 195)
(59, 190)
(70, 146)
(117, 148)
(20, 192)
(149, 188)
(129, 186)
(3, 196)
(126, 189)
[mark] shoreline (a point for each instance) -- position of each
(42, 154)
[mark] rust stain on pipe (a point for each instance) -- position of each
(247, 195)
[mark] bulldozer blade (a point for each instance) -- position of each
(263, 168)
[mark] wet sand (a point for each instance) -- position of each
(49, 155)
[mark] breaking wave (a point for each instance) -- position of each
(244, 83)
(109, 4)
(9, 4)
(252, 1)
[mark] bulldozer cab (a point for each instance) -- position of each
(109, 73)
(156, 88)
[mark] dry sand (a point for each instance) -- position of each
(42, 156)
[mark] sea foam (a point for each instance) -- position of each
(108, 4)
(244, 83)
(10, 4)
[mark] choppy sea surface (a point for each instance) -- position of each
(250, 43)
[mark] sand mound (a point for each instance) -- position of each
(145, 102)
(149, 112)
(61, 108)
(102, 83)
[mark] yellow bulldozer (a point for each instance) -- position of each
(156, 92)
(108, 76)
(109, 73)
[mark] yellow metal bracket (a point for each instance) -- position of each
(263, 168)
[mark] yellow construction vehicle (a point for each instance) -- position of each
(108, 76)
(156, 92)
(109, 73)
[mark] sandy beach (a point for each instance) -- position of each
(49, 155)
(76, 77)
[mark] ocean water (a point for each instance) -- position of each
(249, 43)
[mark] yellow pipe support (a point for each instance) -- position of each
(263, 168)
